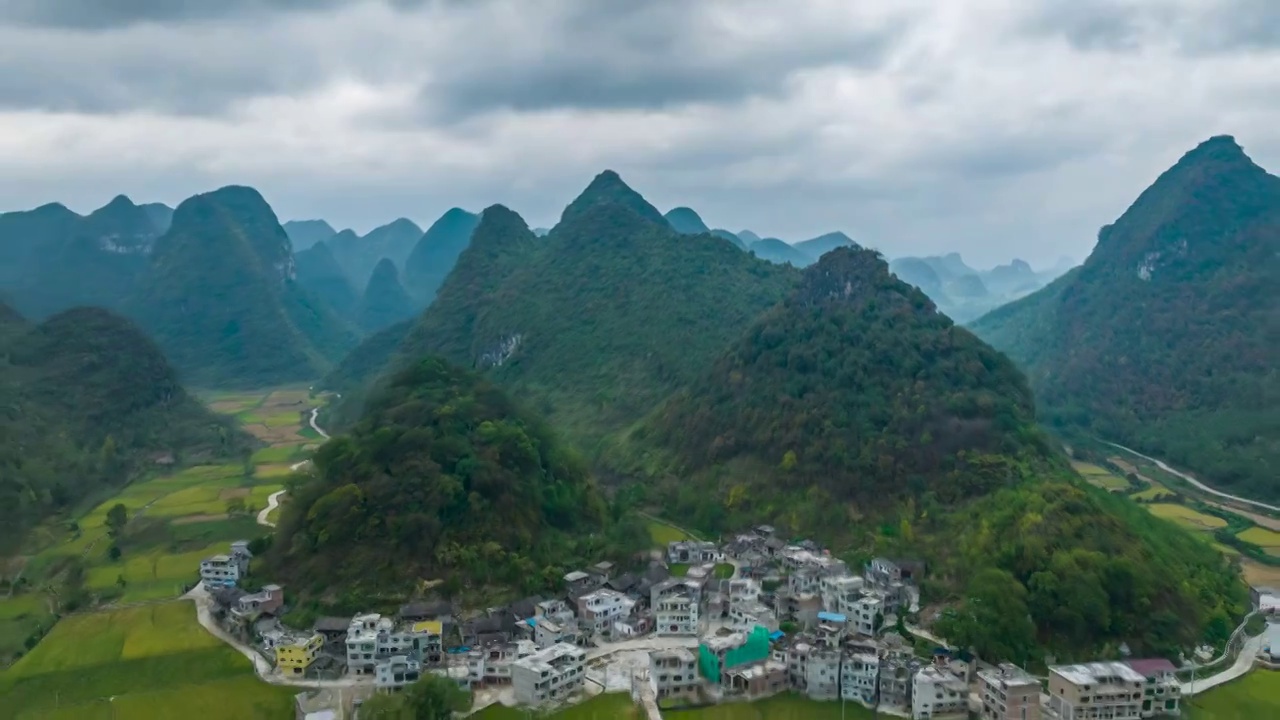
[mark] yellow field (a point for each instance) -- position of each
(1268, 540)
(1100, 476)
(1187, 517)
(1259, 575)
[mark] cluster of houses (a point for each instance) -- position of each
(789, 617)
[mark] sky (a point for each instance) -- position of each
(993, 128)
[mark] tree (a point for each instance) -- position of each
(434, 697)
(117, 518)
(236, 506)
(994, 619)
(113, 552)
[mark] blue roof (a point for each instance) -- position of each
(776, 634)
(833, 617)
(532, 622)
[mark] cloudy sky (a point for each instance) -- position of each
(996, 128)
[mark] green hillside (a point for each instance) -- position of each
(318, 272)
(436, 252)
(443, 476)
(1165, 339)
(855, 413)
(359, 255)
(221, 298)
(385, 301)
(89, 402)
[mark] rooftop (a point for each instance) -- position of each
(1097, 673)
(576, 576)
(1151, 667)
(1008, 674)
(549, 659)
(943, 677)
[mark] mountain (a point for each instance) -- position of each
(358, 256)
(1017, 278)
(854, 413)
(318, 272)
(748, 237)
(437, 251)
(443, 476)
(385, 301)
(596, 323)
(304, 234)
(962, 292)
(91, 260)
(25, 236)
(221, 298)
(918, 272)
(89, 401)
(823, 244)
(161, 215)
(777, 251)
(718, 232)
(1165, 339)
(541, 231)
(686, 221)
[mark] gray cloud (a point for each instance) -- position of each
(998, 130)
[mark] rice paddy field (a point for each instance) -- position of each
(1188, 518)
(146, 662)
(1268, 540)
(1100, 477)
(611, 706)
(778, 707)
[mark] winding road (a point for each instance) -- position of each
(1163, 466)
(273, 501)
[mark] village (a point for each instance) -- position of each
(704, 623)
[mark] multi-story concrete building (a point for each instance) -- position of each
(1162, 692)
(866, 613)
(822, 674)
(937, 693)
(549, 675)
(1111, 690)
(362, 644)
(689, 552)
(675, 607)
(860, 678)
(840, 593)
(674, 673)
(897, 673)
(599, 609)
(396, 672)
(1009, 693)
(295, 654)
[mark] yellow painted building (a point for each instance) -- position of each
(293, 658)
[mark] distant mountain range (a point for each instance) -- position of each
(1167, 338)
(964, 293)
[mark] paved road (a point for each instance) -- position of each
(1242, 665)
(204, 614)
(312, 420)
(649, 642)
(273, 502)
(1161, 464)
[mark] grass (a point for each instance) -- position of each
(723, 571)
(678, 569)
(1268, 540)
(1187, 517)
(1100, 476)
(1256, 695)
(662, 534)
(1259, 575)
(778, 707)
(1152, 494)
(20, 616)
(279, 454)
(145, 662)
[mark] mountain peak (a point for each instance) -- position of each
(608, 187)
(686, 221)
(118, 202)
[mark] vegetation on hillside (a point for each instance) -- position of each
(359, 255)
(1165, 339)
(385, 301)
(220, 297)
(437, 251)
(444, 477)
(319, 273)
(89, 402)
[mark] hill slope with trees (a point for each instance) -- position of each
(1166, 338)
(89, 401)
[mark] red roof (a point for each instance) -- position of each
(1151, 667)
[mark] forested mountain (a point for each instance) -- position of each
(304, 234)
(55, 259)
(737, 241)
(358, 256)
(161, 215)
(685, 221)
(88, 400)
(856, 413)
(437, 251)
(964, 293)
(1166, 338)
(823, 244)
(443, 477)
(385, 301)
(777, 251)
(599, 321)
(319, 273)
(220, 297)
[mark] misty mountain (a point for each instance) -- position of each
(306, 233)
(436, 252)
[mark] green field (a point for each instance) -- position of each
(662, 534)
(1254, 696)
(778, 707)
(1100, 476)
(1187, 517)
(145, 662)
(1268, 540)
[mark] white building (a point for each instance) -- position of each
(675, 607)
(937, 693)
(840, 593)
(860, 678)
(599, 609)
(362, 644)
(549, 675)
(397, 672)
(864, 614)
(674, 673)
(822, 674)
(1094, 690)
(746, 615)
(547, 633)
